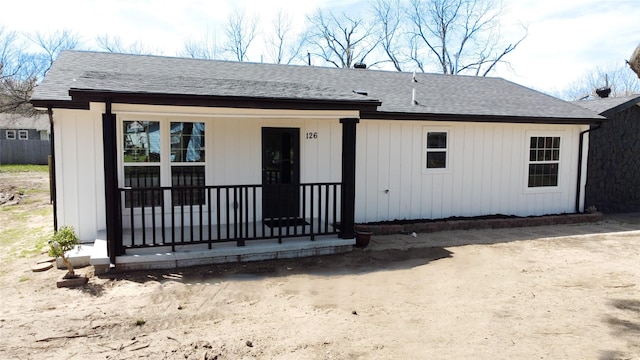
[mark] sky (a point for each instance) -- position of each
(566, 38)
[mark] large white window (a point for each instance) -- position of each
(23, 134)
(544, 161)
(436, 149)
(10, 134)
(156, 150)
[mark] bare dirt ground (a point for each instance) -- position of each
(563, 292)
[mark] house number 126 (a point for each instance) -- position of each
(312, 135)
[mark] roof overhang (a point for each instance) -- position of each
(381, 115)
(624, 106)
(80, 99)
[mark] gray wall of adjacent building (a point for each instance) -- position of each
(30, 151)
(613, 172)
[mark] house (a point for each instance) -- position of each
(161, 151)
(614, 161)
(24, 139)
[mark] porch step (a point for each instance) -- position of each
(256, 250)
(193, 255)
(79, 256)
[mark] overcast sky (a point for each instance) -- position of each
(566, 37)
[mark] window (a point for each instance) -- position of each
(23, 134)
(153, 151)
(187, 163)
(436, 149)
(10, 134)
(142, 162)
(544, 161)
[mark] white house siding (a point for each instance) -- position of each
(486, 174)
(79, 171)
(233, 152)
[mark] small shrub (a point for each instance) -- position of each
(62, 241)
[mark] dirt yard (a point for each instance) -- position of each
(565, 292)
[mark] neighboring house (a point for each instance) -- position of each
(160, 150)
(613, 173)
(24, 140)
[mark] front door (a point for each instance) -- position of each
(280, 172)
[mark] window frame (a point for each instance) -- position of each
(426, 130)
(165, 164)
(23, 132)
(528, 161)
(13, 135)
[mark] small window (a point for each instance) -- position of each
(23, 134)
(544, 161)
(437, 146)
(10, 134)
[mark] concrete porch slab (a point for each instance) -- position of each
(162, 257)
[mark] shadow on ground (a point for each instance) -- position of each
(625, 324)
(356, 262)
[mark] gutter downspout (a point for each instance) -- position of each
(54, 198)
(580, 151)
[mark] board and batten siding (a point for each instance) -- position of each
(487, 167)
(233, 152)
(79, 171)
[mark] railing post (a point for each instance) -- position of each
(348, 198)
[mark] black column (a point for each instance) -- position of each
(111, 193)
(348, 199)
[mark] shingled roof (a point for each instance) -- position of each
(609, 106)
(79, 77)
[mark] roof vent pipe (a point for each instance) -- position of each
(413, 97)
(360, 65)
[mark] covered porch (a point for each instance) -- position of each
(197, 219)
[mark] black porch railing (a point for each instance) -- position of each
(173, 216)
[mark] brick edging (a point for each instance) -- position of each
(468, 224)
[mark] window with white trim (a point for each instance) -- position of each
(141, 147)
(187, 163)
(544, 161)
(23, 134)
(146, 161)
(10, 134)
(436, 145)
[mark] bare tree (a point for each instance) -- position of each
(52, 44)
(389, 18)
(341, 40)
(21, 69)
(284, 46)
(463, 36)
(203, 48)
(115, 45)
(620, 79)
(240, 31)
(18, 74)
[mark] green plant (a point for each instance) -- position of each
(62, 241)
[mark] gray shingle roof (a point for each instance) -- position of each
(436, 94)
(608, 106)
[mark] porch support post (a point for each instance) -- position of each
(111, 193)
(348, 198)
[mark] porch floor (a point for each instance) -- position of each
(161, 257)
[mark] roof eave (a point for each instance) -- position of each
(80, 99)
(624, 106)
(381, 115)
